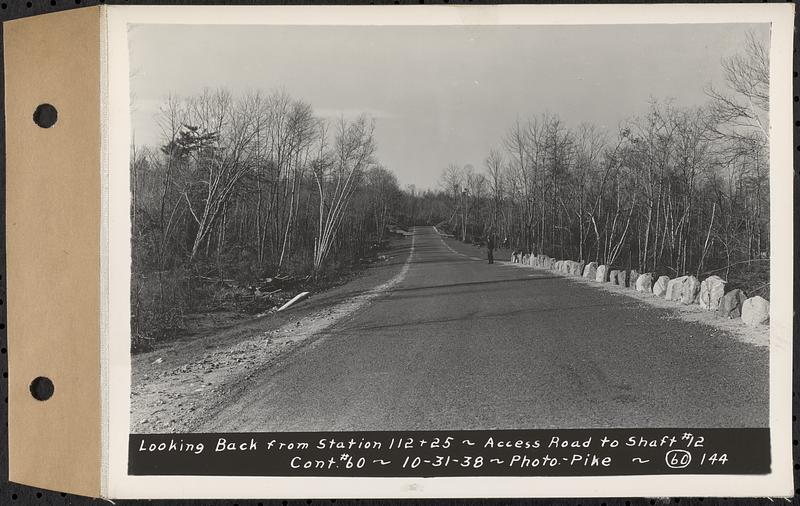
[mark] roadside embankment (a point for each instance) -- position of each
(179, 384)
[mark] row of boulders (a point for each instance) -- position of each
(710, 294)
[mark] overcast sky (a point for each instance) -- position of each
(439, 95)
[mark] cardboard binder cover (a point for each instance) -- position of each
(53, 207)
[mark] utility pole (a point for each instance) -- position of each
(464, 193)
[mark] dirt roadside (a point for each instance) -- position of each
(181, 383)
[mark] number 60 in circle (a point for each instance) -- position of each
(678, 459)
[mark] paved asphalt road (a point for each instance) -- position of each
(460, 344)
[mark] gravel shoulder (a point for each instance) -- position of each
(183, 382)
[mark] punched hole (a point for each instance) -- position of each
(45, 115)
(42, 388)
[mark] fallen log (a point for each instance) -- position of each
(297, 298)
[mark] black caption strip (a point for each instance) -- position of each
(573, 452)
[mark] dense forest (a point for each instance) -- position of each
(250, 196)
(674, 191)
(244, 191)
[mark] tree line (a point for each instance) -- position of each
(248, 188)
(677, 190)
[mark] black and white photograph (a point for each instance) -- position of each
(465, 227)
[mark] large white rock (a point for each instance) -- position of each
(644, 282)
(612, 277)
(755, 311)
(633, 278)
(675, 288)
(622, 278)
(731, 303)
(691, 288)
(660, 286)
(590, 271)
(712, 289)
(575, 268)
(601, 276)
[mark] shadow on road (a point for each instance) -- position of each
(504, 282)
(474, 316)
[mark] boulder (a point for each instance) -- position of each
(526, 259)
(644, 283)
(660, 286)
(575, 268)
(711, 291)
(551, 263)
(691, 288)
(632, 279)
(602, 274)
(675, 288)
(755, 311)
(590, 271)
(612, 277)
(622, 278)
(731, 303)
(579, 269)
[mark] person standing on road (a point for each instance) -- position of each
(490, 248)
